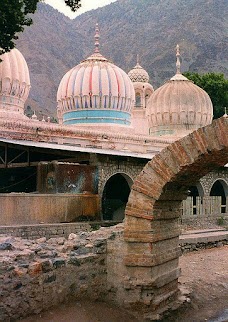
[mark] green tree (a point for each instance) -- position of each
(15, 15)
(217, 88)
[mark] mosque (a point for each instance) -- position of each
(110, 124)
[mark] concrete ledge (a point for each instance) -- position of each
(195, 240)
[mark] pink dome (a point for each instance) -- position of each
(179, 105)
(14, 84)
(95, 91)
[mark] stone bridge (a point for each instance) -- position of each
(151, 218)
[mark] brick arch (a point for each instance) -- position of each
(111, 170)
(151, 217)
(224, 183)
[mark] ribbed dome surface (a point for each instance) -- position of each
(138, 74)
(179, 104)
(14, 83)
(92, 86)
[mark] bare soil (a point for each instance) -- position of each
(204, 275)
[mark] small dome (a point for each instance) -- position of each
(14, 84)
(95, 91)
(179, 105)
(138, 74)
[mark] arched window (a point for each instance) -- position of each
(220, 189)
(138, 102)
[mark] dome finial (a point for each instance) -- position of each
(178, 59)
(97, 37)
(137, 59)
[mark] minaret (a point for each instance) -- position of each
(143, 90)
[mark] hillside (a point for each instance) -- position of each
(150, 28)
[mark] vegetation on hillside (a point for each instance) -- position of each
(53, 44)
(15, 15)
(217, 88)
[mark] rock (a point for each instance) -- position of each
(6, 246)
(72, 236)
(46, 265)
(35, 269)
(59, 262)
(41, 240)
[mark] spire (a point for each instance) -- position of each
(96, 54)
(137, 59)
(178, 59)
(97, 37)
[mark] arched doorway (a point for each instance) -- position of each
(115, 196)
(220, 189)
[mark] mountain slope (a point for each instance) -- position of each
(150, 28)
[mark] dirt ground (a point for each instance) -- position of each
(204, 274)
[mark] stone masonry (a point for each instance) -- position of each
(138, 269)
(154, 205)
(40, 273)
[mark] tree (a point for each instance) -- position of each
(217, 88)
(15, 14)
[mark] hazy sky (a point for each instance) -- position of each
(86, 5)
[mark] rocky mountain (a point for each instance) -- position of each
(150, 28)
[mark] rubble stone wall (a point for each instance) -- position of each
(38, 274)
(44, 230)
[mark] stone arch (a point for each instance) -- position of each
(106, 171)
(223, 183)
(151, 218)
(199, 187)
(115, 196)
(220, 189)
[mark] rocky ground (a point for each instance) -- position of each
(204, 275)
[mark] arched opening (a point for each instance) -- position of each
(151, 228)
(195, 194)
(138, 102)
(115, 196)
(219, 189)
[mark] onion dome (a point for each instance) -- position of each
(178, 105)
(143, 89)
(138, 74)
(14, 84)
(96, 91)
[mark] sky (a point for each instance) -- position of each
(86, 5)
